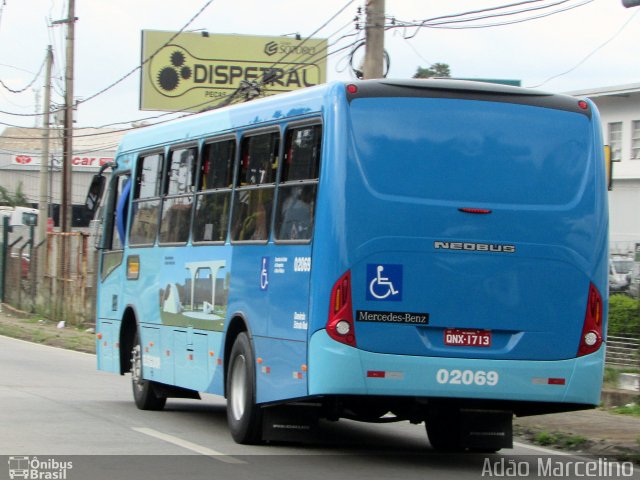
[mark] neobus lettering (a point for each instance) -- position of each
(475, 247)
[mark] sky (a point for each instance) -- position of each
(593, 45)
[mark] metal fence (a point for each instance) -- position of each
(623, 351)
(55, 278)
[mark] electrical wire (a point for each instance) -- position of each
(449, 21)
(150, 57)
(513, 22)
(127, 75)
(344, 7)
(590, 54)
(224, 100)
(21, 90)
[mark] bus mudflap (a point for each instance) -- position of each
(482, 430)
(290, 423)
(486, 429)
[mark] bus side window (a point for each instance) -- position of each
(255, 187)
(213, 198)
(298, 184)
(122, 212)
(146, 201)
(178, 190)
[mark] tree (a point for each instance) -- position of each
(17, 199)
(435, 70)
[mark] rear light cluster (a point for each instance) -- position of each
(340, 325)
(591, 337)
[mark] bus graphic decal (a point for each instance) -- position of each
(200, 299)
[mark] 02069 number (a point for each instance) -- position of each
(467, 377)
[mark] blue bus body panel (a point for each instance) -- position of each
(337, 369)
(521, 270)
(270, 289)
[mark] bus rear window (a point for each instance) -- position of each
(471, 151)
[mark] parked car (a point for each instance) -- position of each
(634, 281)
(620, 273)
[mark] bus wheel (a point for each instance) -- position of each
(143, 392)
(442, 430)
(243, 415)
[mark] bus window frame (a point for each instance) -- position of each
(164, 185)
(225, 137)
(112, 257)
(162, 152)
(300, 124)
(237, 189)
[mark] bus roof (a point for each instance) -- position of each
(314, 99)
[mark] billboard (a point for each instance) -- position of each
(196, 71)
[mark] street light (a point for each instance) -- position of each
(631, 3)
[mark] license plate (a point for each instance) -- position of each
(459, 337)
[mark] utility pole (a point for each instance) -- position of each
(43, 204)
(374, 39)
(67, 146)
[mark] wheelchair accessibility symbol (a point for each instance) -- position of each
(264, 274)
(384, 282)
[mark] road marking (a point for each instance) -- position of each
(546, 451)
(194, 447)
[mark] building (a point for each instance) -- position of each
(21, 158)
(619, 108)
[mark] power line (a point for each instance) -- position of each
(150, 57)
(224, 100)
(124, 77)
(30, 83)
(513, 22)
(344, 7)
(590, 54)
(450, 21)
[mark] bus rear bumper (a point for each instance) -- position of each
(337, 369)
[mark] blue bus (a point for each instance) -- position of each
(422, 250)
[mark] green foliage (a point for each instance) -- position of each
(560, 440)
(624, 315)
(631, 409)
(435, 70)
(17, 199)
(545, 438)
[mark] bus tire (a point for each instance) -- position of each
(243, 415)
(144, 393)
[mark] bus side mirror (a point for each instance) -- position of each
(608, 163)
(95, 193)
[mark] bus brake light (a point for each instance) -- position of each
(591, 337)
(340, 325)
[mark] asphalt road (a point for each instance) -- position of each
(58, 415)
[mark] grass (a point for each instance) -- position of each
(560, 440)
(34, 329)
(631, 409)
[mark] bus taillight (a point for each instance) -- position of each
(340, 324)
(591, 337)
